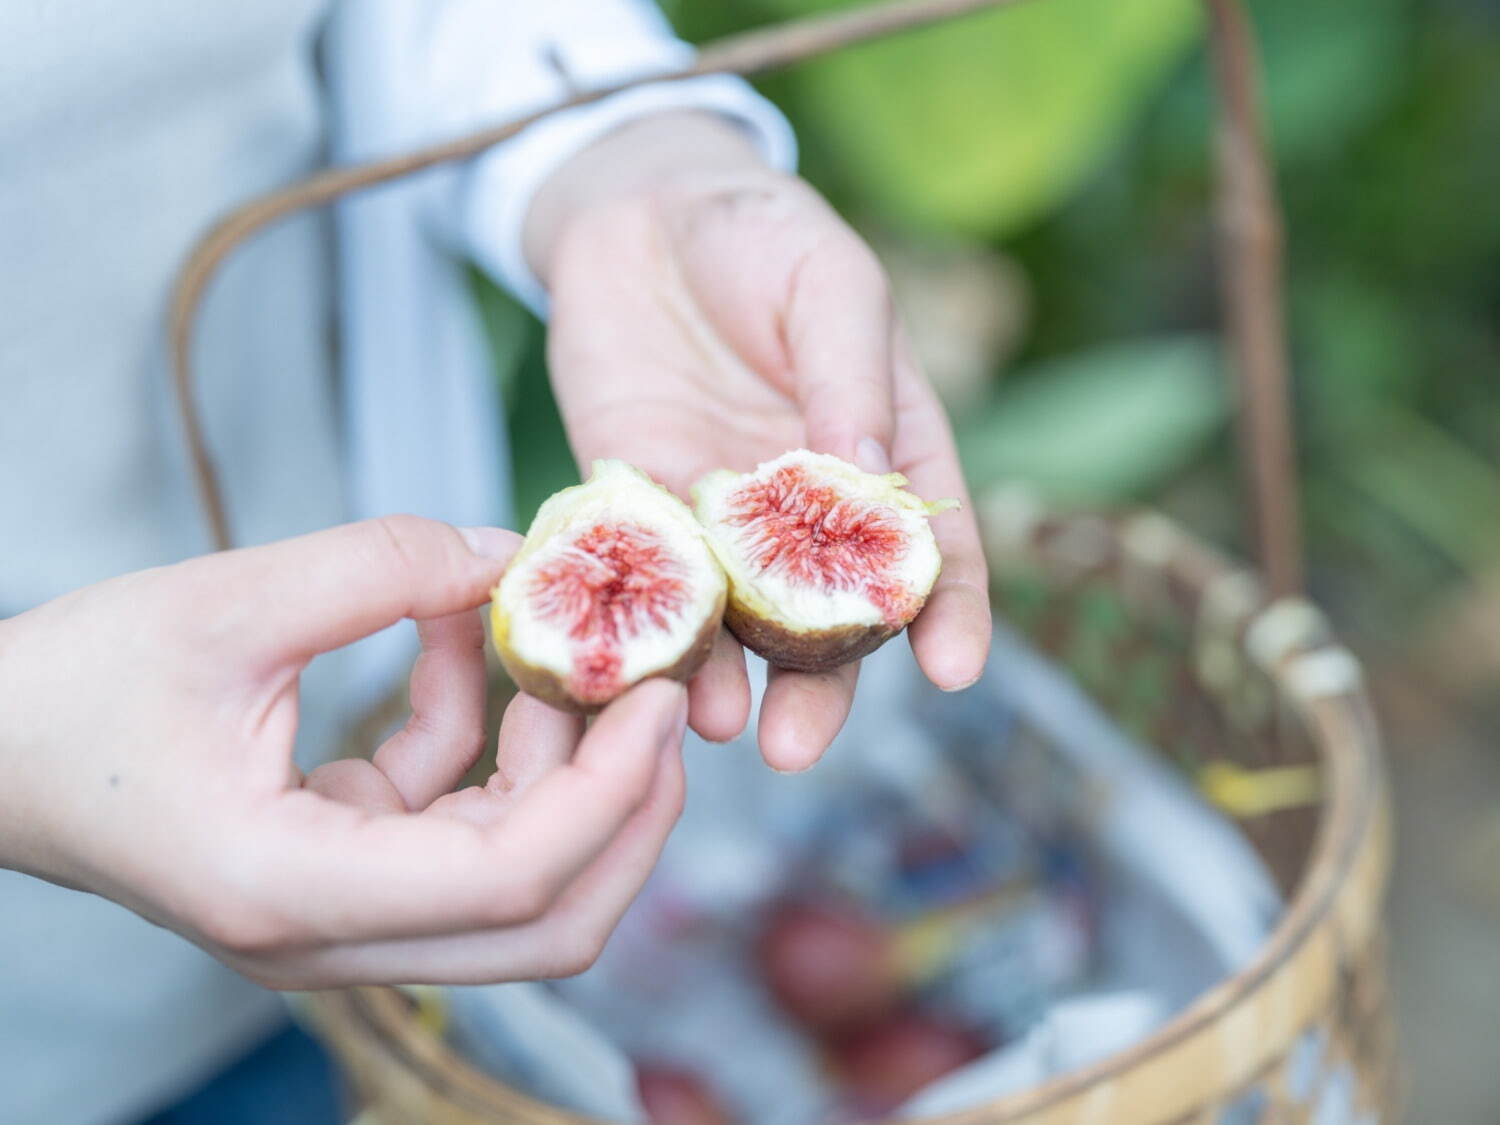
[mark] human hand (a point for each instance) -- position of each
(708, 312)
(146, 755)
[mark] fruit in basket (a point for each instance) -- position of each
(614, 584)
(826, 562)
(828, 967)
(884, 1064)
(674, 1096)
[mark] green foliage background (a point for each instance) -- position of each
(1072, 137)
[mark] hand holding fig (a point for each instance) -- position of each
(146, 755)
(710, 313)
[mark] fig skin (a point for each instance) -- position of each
(553, 518)
(830, 968)
(761, 626)
(812, 650)
(672, 1096)
(550, 688)
(885, 1063)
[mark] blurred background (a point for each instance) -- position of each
(1039, 183)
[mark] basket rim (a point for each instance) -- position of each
(1353, 810)
(1329, 914)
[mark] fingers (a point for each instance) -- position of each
(354, 781)
(838, 336)
(339, 875)
(951, 636)
(591, 909)
(565, 940)
(445, 734)
(719, 695)
(293, 599)
(534, 740)
(801, 712)
(569, 815)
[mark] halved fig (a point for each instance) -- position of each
(825, 561)
(614, 584)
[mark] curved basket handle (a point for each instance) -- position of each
(1250, 265)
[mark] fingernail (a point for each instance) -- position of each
(792, 772)
(808, 761)
(871, 456)
(487, 542)
(961, 686)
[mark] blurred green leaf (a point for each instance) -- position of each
(1435, 483)
(541, 462)
(540, 455)
(1358, 346)
(507, 328)
(1327, 70)
(1357, 538)
(983, 124)
(1104, 425)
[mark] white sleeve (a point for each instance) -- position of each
(477, 62)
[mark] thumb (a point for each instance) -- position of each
(294, 599)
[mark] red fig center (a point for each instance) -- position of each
(811, 536)
(613, 582)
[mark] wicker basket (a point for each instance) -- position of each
(1183, 649)
(1250, 694)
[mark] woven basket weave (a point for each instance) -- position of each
(1183, 649)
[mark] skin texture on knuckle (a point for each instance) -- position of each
(466, 736)
(427, 558)
(243, 930)
(399, 542)
(471, 739)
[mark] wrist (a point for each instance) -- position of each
(22, 846)
(635, 160)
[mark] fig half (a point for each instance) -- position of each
(826, 562)
(614, 584)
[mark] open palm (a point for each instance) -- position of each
(718, 320)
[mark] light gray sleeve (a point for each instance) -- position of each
(443, 68)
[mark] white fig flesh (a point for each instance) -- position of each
(614, 584)
(826, 562)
